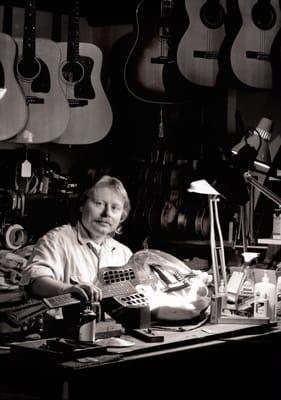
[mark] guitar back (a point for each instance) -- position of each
(198, 49)
(47, 106)
(91, 115)
(250, 52)
(11, 95)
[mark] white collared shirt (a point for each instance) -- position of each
(67, 254)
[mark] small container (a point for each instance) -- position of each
(276, 230)
(261, 306)
(265, 292)
(223, 294)
(87, 331)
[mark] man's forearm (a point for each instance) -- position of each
(47, 287)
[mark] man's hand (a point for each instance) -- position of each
(86, 291)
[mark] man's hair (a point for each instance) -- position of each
(113, 183)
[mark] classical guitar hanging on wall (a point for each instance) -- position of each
(151, 73)
(198, 49)
(250, 52)
(37, 72)
(11, 94)
(80, 73)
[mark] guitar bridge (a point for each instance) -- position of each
(77, 103)
(34, 100)
(257, 55)
(208, 55)
(161, 60)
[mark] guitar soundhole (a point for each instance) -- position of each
(212, 15)
(28, 69)
(72, 72)
(264, 16)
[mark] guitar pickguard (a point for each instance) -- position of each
(78, 75)
(42, 83)
(84, 88)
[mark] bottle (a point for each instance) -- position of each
(223, 293)
(249, 284)
(265, 292)
(261, 305)
(276, 230)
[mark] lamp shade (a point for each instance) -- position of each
(258, 139)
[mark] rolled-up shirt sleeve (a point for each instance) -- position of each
(46, 260)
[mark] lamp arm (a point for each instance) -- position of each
(263, 189)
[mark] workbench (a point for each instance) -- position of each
(213, 360)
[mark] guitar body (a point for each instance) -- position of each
(48, 110)
(172, 289)
(151, 72)
(13, 97)
(91, 115)
(198, 49)
(167, 289)
(148, 76)
(250, 52)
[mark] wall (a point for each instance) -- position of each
(200, 127)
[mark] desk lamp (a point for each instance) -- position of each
(217, 250)
(257, 139)
(252, 153)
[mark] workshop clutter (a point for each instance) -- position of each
(11, 266)
(253, 294)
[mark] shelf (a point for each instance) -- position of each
(269, 241)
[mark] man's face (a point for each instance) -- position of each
(102, 212)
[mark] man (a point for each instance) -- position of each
(68, 258)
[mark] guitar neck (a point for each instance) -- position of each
(73, 32)
(166, 6)
(118, 289)
(29, 32)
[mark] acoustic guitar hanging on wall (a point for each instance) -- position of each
(151, 73)
(250, 51)
(11, 94)
(198, 50)
(37, 72)
(80, 73)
